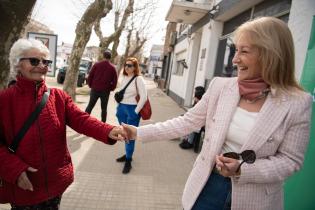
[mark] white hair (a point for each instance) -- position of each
(19, 49)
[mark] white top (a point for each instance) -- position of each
(131, 92)
(242, 123)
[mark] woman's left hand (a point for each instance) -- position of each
(227, 166)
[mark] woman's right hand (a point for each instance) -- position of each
(130, 130)
(23, 181)
(227, 166)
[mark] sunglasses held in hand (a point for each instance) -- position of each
(247, 156)
(35, 61)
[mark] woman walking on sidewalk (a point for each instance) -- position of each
(261, 117)
(128, 109)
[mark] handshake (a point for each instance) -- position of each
(123, 132)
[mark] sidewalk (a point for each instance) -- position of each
(158, 176)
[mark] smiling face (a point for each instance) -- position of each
(30, 72)
(246, 59)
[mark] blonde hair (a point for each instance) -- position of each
(135, 64)
(274, 41)
(18, 50)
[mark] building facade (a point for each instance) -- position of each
(36, 26)
(155, 61)
(204, 46)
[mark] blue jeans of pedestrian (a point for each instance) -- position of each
(216, 194)
(126, 114)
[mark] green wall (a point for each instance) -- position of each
(300, 188)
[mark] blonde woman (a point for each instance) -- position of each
(263, 110)
(128, 109)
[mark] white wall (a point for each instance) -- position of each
(215, 30)
(209, 41)
(192, 61)
(300, 23)
(200, 71)
(177, 83)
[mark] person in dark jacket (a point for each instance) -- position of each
(36, 176)
(102, 79)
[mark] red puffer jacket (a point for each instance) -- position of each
(44, 146)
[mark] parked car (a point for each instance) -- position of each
(84, 68)
(83, 72)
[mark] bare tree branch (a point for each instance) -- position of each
(83, 33)
(114, 37)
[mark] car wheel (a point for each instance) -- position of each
(80, 82)
(60, 79)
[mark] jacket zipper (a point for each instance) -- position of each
(42, 147)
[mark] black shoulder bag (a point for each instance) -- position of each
(120, 94)
(30, 120)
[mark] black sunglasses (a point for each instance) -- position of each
(248, 156)
(129, 65)
(36, 61)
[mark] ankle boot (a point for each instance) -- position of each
(122, 159)
(127, 167)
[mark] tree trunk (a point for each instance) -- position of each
(96, 10)
(114, 37)
(14, 15)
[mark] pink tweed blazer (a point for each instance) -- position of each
(279, 138)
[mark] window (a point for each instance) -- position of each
(182, 28)
(271, 8)
(225, 53)
(224, 65)
(180, 66)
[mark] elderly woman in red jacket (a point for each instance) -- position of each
(40, 170)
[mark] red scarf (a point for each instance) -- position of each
(251, 89)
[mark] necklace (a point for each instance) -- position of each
(262, 94)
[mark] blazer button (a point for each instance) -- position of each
(270, 139)
(202, 158)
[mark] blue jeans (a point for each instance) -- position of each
(126, 114)
(216, 194)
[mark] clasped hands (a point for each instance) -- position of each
(123, 132)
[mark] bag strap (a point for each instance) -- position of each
(128, 83)
(30, 120)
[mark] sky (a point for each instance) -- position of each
(61, 16)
